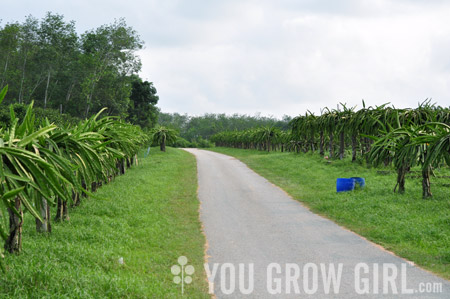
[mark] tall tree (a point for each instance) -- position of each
(108, 52)
(142, 110)
(30, 75)
(57, 41)
(9, 41)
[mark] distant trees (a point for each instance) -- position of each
(193, 128)
(262, 138)
(48, 62)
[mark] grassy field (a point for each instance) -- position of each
(413, 228)
(149, 218)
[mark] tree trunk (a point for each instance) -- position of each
(321, 144)
(22, 79)
(89, 99)
(46, 89)
(331, 146)
(88, 104)
(44, 226)
(4, 71)
(38, 82)
(59, 211)
(62, 213)
(69, 92)
(55, 86)
(361, 147)
(13, 243)
(75, 198)
(66, 216)
(341, 144)
(426, 185)
(401, 173)
(367, 148)
(162, 146)
(354, 147)
(83, 194)
(121, 166)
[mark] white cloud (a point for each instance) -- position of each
(282, 57)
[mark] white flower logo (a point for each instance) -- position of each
(182, 272)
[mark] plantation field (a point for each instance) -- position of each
(149, 217)
(413, 228)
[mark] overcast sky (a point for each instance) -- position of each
(277, 57)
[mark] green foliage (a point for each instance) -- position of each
(54, 116)
(193, 127)
(142, 110)
(47, 62)
(199, 143)
(203, 143)
(44, 164)
(182, 143)
(163, 136)
(380, 135)
(264, 138)
(144, 217)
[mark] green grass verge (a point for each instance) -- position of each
(149, 217)
(413, 228)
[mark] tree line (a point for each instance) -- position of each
(386, 135)
(195, 128)
(48, 62)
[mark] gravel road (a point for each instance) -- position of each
(264, 244)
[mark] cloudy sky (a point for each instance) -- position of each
(277, 57)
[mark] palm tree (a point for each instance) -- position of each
(329, 124)
(344, 121)
(163, 135)
(435, 138)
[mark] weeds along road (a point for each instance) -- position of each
(264, 244)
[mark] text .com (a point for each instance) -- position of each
(311, 278)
